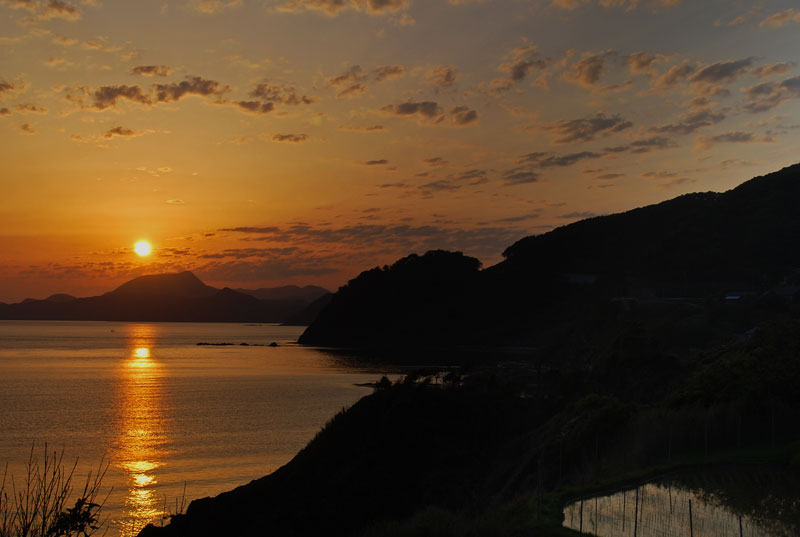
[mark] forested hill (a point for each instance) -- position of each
(694, 247)
(746, 235)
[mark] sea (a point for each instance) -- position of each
(170, 420)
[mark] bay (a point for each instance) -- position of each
(166, 414)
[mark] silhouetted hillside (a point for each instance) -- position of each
(494, 451)
(686, 250)
(707, 241)
(390, 454)
(310, 312)
(425, 293)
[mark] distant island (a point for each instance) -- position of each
(614, 350)
(177, 297)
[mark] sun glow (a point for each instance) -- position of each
(142, 248)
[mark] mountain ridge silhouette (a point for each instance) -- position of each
(176, 297)
(695, 246)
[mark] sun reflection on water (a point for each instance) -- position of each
(143, 434)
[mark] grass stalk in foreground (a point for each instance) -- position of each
(44, 503)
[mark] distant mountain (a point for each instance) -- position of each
(159, 297)
(681, 252)
(60, 297)
(307, 294)
(181, 284)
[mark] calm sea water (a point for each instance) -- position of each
(161, 410)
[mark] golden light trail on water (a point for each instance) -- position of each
(142, 431)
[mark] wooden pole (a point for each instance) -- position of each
(670, 498)
(691, 527)
(581, 523)
(636, 514)
(641, 503)
(624, 492)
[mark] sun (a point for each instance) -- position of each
(142, 248)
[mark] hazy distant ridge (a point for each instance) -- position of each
(169, 297)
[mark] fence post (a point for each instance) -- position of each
(624, 492)
(596, 515)
(670, 498)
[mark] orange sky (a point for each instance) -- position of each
(267, 142)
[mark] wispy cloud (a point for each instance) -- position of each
(9, 89)
(358, 128)
(124, 132)
(211, 7)
(737, 137)
(30, 108)
(768, 95)
(350, 83)
(151, 70)
(426, 109)
(108, 96)
(586, 129)
(433, 113)
(625, 5)
(265, 96)
(672, 77)
(192, 85)
(43, 10)
(442, 77)
(292, 138)
(722, 72)
(517, 65)
(588, 70)
(692, 121)
(388, 72)
(479, 240)
(334, 7)
(782, 18)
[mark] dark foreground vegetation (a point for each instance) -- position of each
(663, 338)
(44, 500)
(497, 452)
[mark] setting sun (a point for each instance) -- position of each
(142, 248)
